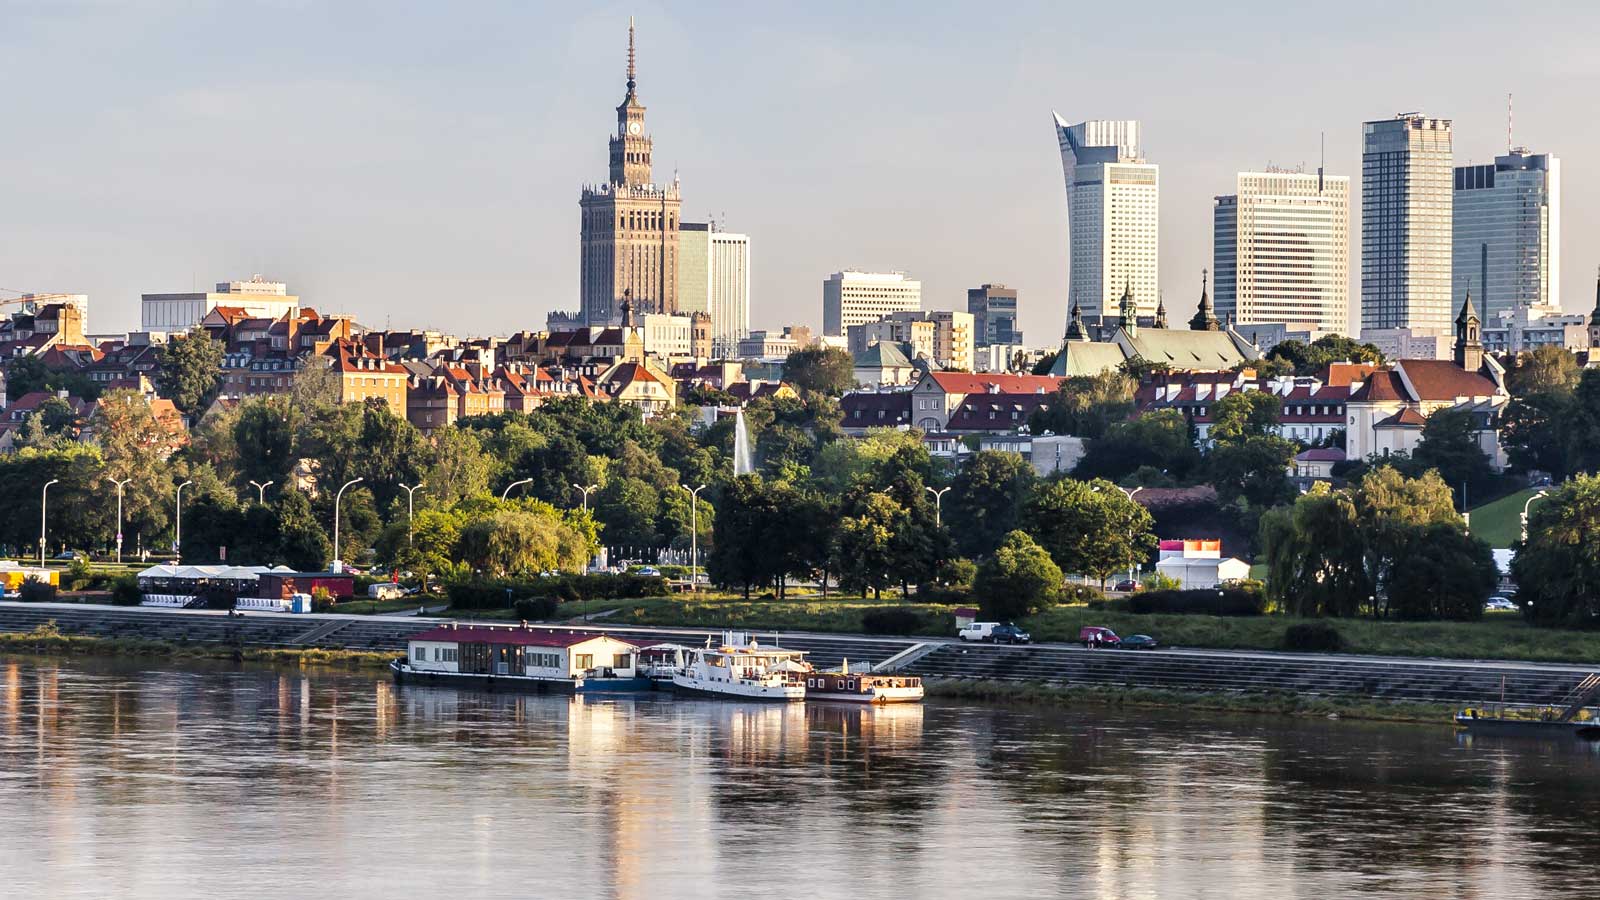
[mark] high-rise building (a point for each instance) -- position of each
(994, 315)
(1406, 181)
(856, 298)
(1507, 233)
(630, 225)
(258, 297)
(1113, 216)
(714, 278)
(1281, 250)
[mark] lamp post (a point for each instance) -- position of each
(411, 491)
(585, 491)
(44, 500)
(1129, 494)
(507, 492)
(938, 504)
(119, 485)
(336, 498)
(177, 532)
(1525, 507)
(694, 533)
(261, 491)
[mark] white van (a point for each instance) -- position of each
(977, 631)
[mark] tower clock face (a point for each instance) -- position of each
(633, 127)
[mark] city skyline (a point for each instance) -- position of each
(393, 175)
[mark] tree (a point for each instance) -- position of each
(1393, 510)
(1244, 414)
(1308, 359)
(1557, 569)
(1545, 368)
(1445, 573)
(826, 370)
(985, 500)
(1160, 440)
(1450, 445)
(1315, 555)
(1089, 527)
(1086, 405)
(867, 554)
(516, 542)
(303, 546)
(459, 469)
(264, 439)
(629, 508)
(190, 372)
(1019, 580)
(747, 510)
(1535, 429)
(1254, 469)
(28, 374)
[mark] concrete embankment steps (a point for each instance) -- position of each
(1386, 679)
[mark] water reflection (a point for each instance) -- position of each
(217, 781)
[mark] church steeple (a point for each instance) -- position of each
(1205, 319)
(1469, 343)
(1128, 310)
(1161, 311)
(630, 147)
(1075, 329)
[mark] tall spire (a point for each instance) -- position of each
(1469, 342)
(1075, 329)
(1128, 309)
(1161, 310)
(1205, 319)
(631, 70)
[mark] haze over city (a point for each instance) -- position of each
(421, 166)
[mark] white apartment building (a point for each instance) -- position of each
(1113, 216)
(856, 298)
(714, 278)
(1281, 250)
(258, 297)
(667, 336)
(1506, 219)
(1406, 197)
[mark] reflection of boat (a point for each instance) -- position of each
(1567, 719)
(518, 658)
(743, 670)
(862, 687)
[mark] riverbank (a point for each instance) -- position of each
(49, 639)
(1263, 703)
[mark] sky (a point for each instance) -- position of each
(419, 165)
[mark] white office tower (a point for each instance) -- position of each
(1406, 187)
(1281, 250)
(856, 298)
(714, 278)
(1507, 223)
(257, 297)
(1113, 216)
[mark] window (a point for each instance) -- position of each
(585, 661)
(420, 653)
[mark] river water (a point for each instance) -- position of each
(175, 780)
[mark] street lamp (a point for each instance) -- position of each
(119, 485)
(336, 498)
(938, 504)
(507, 492)
(1525, 507)
(177, 533)
(44, 500)
(261, 491)
(694, 532)
(411, 491)
(585, 491)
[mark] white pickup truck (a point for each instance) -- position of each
(977, 631)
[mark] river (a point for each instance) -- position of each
(173, 780)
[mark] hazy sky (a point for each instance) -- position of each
(420, 164)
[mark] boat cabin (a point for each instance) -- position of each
(520, 650)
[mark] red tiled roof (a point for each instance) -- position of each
(988, 412)
(968, 383)
(1321, 454)
(1440, 379)
(1405, 418)
(484, 634)
(1381, 386)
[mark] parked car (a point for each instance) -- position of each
(1497, 604)
(977, 631)
(1137, 642)
(1009, 634)
(1126, 586)
(648, 570)
(1098, 636)
(71, 556)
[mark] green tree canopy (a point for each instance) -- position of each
(1557, 568)
(190, 372)
(985, 500)
(1161, 440)
(1019, 580)
(826, 370)
(1086, 405)
(1089, 527)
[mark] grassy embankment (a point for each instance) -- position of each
(1499, 523)
(48, 639)
(1498, 636)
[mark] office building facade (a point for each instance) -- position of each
(1113, 216)
(856, 298)
(1506, 223)
(1407, 182)
(714, 278)
(1281, 250)
(257, 297)
(994, 315)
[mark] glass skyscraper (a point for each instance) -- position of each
(1113, 216)
(1406, 192)
(1281, 249)
(1507, 224)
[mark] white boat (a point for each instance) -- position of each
(738, 669)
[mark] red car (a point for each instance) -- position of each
(1098, 636)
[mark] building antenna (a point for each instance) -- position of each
(1322, 160)
(1508, 121)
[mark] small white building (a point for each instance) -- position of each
(518, 650)
(1197, 565)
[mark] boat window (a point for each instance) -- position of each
(622, 661)
(421, 654)
(585, 661)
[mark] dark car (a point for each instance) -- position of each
(1127, 587)
(1009, 634)
(1138, 642)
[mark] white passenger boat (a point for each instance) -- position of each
(740, 669)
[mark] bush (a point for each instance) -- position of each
(35, 591)
(1082, 593)
(1230, 600)
(321, 600)
(894, 620)
(535, 608)
(125, 591)
(502, 593)
(1314, 636)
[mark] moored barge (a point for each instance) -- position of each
(519, 658)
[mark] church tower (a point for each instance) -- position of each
(1594, 319)
(629, 243)
(1205, 318)
(1469, 338)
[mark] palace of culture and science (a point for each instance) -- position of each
(630, 226)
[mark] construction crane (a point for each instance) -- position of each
(27, 297)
